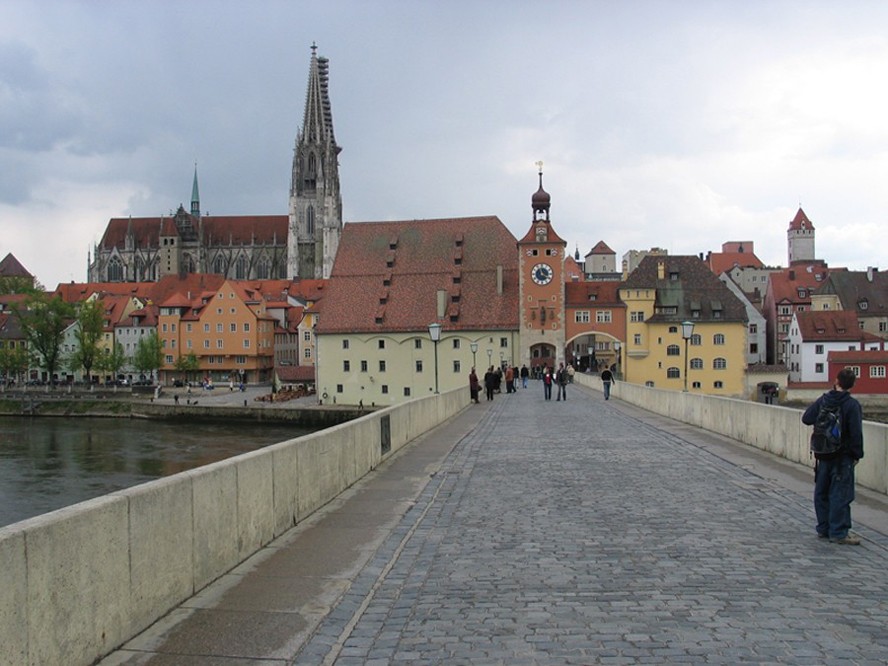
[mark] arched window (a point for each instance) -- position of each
(719, 364)
(139, 270)
(240, 268)
(219, 265)
(263, 269)
(310, 221)
(718, 339)
(673, 350)
(188, 264)
(673, 373)
(696, 340)
(152, 271)
(696, 364)
(115, 270)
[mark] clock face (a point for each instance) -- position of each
(541, 273)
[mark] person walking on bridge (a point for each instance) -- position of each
(607, 377)
(834, 472)
(561, 380)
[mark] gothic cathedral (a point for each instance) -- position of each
(541, 287)
(301, 244)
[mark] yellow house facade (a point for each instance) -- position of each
(684, 328)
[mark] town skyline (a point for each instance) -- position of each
(682, 129)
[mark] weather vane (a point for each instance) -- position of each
(539, 165)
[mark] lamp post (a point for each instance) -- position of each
(435, 335)
(489, 354)
(474, 348)
(502, 359)
(687, 330)
(617, 347)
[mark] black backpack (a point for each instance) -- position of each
(827, 436)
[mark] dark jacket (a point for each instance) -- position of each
(852, 422)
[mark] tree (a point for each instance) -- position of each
(149, 354)
(14, 360)
(188, 364)
(44, 318)
(112, 360)
(90, 325)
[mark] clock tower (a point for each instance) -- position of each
(541, 287)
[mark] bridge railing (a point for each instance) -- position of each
(778, 430)
(79, 582)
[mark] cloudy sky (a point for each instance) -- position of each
(679, 124)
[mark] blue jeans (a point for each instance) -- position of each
(607, 390)
(547, 390)
(833, 494)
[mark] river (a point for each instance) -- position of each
(48, 463)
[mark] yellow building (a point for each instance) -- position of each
(663, 297)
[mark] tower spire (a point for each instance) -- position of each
(195, 195)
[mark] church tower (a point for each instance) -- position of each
(800, 239)
(541, 287)
(315, 211)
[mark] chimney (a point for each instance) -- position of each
(499, 279)
(661, 270)
(792, 275)
(870, 270)
(442, 303)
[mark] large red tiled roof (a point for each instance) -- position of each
(214, 229)
(721, 262)
(831, 325)
(387, 275)
(785, 284)
(11, 267)
(858, 356)
(593, 294)
(801, 221)
(601, 248)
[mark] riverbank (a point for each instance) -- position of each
(175, 405)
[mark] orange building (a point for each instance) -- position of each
(227, 329)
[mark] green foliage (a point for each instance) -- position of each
(188, 365)
(149, 354)
(14, 361)
(90, 325)
(111, 360)
(44, 318)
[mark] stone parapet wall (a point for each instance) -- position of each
(778, 430)
(79, 582)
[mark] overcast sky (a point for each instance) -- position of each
(681, 124)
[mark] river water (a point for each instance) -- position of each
(49, 463)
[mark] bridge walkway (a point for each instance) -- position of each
(525, 531)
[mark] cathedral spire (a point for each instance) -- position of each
(195, 195)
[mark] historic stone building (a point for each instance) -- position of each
(301, 244)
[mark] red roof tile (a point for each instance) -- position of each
(800, 221)
(830, 325)
(387, 275)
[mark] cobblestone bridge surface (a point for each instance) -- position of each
(570, 532)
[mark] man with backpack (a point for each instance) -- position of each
(837, 445)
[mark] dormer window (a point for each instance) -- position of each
(802, 292)
(673, 276)
(863, 304)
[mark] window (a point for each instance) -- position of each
(385, 389)
(381, 344)
(718, 385)
(419, 365)
(719, 363)
(241, 359)
(855, 369)
(306, 353)
(504, 342)
(696, 364)
(753, 348)
(306, 335)
(382, 366)
(219, 327)
(206, 344)
(649, 384)
(696, 385)
(169, 359)
(456, 343)
(339, 388)
(637, 316)
(346, 366)
(363, 366)
(603, 316)
(753, 328)
(581, 316)
(696, 340)
(877, 371)
(163, 328)
(246, 327)
(345, 344)
(673, 329)
(246, 343)
(673, 373)
(785, 310)
(636, 339)
(718, 339)
(818, 349)
(457, 366)
(417, 343)
(206, 328)
(673, 350)
(818, 367)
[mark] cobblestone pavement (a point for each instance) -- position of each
(574, 533)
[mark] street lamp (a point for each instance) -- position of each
(502, 358)
(617, 347)
(435, 335)
(687, 330)
(489, 354)
(474, 348)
